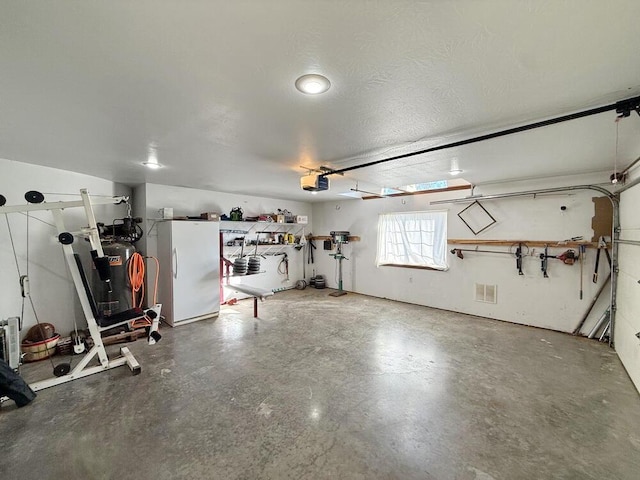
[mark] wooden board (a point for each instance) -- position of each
(602, 220)
(123, 337)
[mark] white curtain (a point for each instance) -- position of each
(413, 239)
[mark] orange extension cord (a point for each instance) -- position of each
(136, 278)
(136, 272)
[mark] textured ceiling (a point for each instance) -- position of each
(88, 86)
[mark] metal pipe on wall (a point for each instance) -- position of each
(627, 186)
(630, 166)
(473, 198)
(603, 318)
(629, 242)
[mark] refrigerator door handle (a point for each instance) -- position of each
(175, 263)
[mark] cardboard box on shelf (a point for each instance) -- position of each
(210, 216)
(166, 213)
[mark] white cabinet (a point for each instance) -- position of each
(189, 284)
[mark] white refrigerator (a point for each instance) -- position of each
(189, 283)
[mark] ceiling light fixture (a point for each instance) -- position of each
(152, 158)
(313, 84)
(455, 167)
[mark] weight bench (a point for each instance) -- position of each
(255, 292)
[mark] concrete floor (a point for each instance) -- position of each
(352, 388)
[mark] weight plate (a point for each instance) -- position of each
(65, 238)
(61, 369)
(33, 196)
(3, 200)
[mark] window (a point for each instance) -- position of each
(413, 239)
(417, 187)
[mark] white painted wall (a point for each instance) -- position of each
(192, 202)
(628, 314)
(530, 299)
(52, 289)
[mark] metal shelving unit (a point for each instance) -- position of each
(264, 231)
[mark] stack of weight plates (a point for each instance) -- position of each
(320, 281)
(254, 265)
(240, 266)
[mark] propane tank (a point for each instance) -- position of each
(119, 299)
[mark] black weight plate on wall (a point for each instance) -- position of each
(65, 238)
(33, 196)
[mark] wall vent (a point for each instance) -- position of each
(486, 293)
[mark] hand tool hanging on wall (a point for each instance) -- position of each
(602, 245)
(519, 259)
(283, 266)
(568, 257)
(543, 261)
(312, 247)
(583, 252)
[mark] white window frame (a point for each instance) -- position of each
(413, 239)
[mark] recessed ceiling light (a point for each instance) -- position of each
(313, 84)
(152, 157)
(152, 165)
(455, 167)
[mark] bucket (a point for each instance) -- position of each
(34, 351)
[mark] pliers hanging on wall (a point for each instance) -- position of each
(312, 247)
(602, 245)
